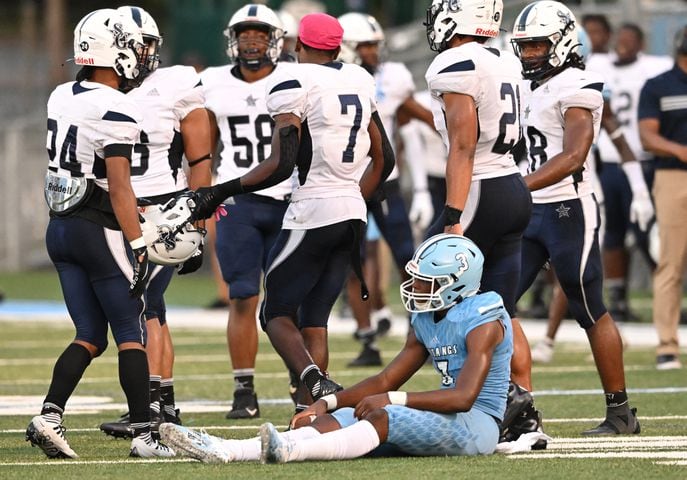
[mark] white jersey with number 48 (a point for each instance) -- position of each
(492, 78)
(543, 112)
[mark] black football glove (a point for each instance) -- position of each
(207, 200)
(141, 272)
(193, 263)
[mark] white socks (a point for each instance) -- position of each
(249, 449)
(350, 442)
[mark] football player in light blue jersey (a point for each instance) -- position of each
(467, 334)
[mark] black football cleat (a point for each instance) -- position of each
(615, 424)
(122, 428)
(244, 406)
(368, 357)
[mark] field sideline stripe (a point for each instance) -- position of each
(97, 462)
(346, 374)
(626, 454)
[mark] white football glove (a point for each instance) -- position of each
(641, 208)
(421, 210)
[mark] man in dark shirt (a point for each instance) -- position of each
(663, 131)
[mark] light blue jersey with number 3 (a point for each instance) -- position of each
(446, 342)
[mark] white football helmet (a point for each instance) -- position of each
(151, 37)
(256, 16)
(358, 28)
(547, 21)
(452, 264)
(106, 38)
(289, 24)
(170, 238)
(448, 18)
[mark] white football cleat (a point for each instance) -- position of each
(275, 448)
(141, 448)
(49, 436)
(195, 444)
(543, 351)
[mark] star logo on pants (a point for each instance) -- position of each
(563, 211)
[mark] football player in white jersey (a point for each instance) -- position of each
(561, 116)
(328, 127)
(625, 71)
(175, 123)
(475, 93)
(94, 237)
(362, 44)
(235, 95)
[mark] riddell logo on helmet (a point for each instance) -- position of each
(486, 33)
(83, 61)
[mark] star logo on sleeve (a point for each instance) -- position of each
(251, 101)
(528, 110)
(563, 211)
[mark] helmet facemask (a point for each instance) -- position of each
(272, 46)
(416, 301)
(447, 26)
(551, 22)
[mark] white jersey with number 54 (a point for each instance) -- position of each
(492, 79)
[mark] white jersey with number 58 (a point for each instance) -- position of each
(244, 124)
(492, 79)
(335, 103)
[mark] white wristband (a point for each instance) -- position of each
(138, 243)
(398, 398)
(331, 401)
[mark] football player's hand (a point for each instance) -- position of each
(454, 229)
(141, 272)
(368, 404)
(193, 263)
(309, 414)
(421, 210)
(641, 210)
(207, 200)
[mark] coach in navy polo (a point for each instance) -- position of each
(663, 131)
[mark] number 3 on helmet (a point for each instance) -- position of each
(170, 237)
(451, 264)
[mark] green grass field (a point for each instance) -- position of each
(204, 386)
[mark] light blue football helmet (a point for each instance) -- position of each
(452, 264)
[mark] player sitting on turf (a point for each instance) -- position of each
(468, 335)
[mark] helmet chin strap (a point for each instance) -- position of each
(254, 65)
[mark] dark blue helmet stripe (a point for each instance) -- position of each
(253, 11)
(464, 66)
(136, 15)
(286, 86)
(523, 16)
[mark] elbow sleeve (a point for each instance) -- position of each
(288, 153)
(387, 149)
